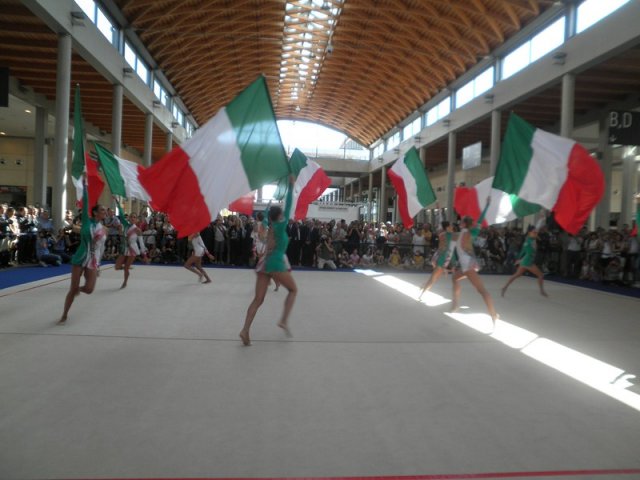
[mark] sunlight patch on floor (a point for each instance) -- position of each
(605, 378)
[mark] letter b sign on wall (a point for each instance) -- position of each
(624, 128)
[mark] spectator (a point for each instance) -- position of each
(45, 257)
(325, 254)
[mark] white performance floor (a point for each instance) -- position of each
(153, 381)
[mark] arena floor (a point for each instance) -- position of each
(152, 381)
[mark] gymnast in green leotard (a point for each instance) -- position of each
(274, 264)
(445, 254)
(526, 262)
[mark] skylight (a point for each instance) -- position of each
(308, 28)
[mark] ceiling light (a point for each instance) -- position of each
(26, 110)
(3, 133)
(297, 108)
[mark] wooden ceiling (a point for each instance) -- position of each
(364, 88)
(389, 57)
(29, 48)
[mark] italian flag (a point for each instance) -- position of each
(81, 163)
(311, 182)
(552, 171)
(414, 190)
(236, 151)
(470, 201)
(122, 175)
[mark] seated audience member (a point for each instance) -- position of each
(344, 260)
(45, 257)
(395, 260)
(367, 259)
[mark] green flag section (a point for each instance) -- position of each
(311, 182)
(78, 157)
(410, 180)
(552, 171)
(83, 252)
(504, 207)
(121, 175)
(236, 151)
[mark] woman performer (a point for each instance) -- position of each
(261, 236)
(274, 264)
(133, 250)
(86, 260)
(446, 247)
(526, 261)
(468, 265)
(194, 262)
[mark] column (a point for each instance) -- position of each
(629, 169)
(451, 174)
(382, 204)
(148, 139)
(568, 100)
(351, 191)
(40, 158)
(605, 152)
(116, 120)
(370, 198)
(63, 84)
(496, 118)
(169, 142)
(259, 199)
(360, 188)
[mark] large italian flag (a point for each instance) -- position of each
(504, 207)
(552, 171)
(122, 175)
(236, 151)
(84, 170)
(311, 182)
(414, 190)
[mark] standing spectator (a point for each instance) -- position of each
(574, 256)
(354, 235)
(219, 239)
(293, 250)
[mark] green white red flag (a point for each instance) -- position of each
(414, 190)
(552, 171)
(236, 151)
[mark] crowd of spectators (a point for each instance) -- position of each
(27, 236)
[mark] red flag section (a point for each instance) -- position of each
(94, 182)
(243, 204)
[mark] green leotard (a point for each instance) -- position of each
(445, 254)
(275, 261)
(528, 253)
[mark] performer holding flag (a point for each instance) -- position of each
(526, 262)
(468, 265)
(93, 235)
(274, 264)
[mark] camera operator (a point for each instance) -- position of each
(44, 243)
(325, 253)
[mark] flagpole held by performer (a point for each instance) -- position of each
(86, 260)
(468, 265)
(274, 264)
(526, 262)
